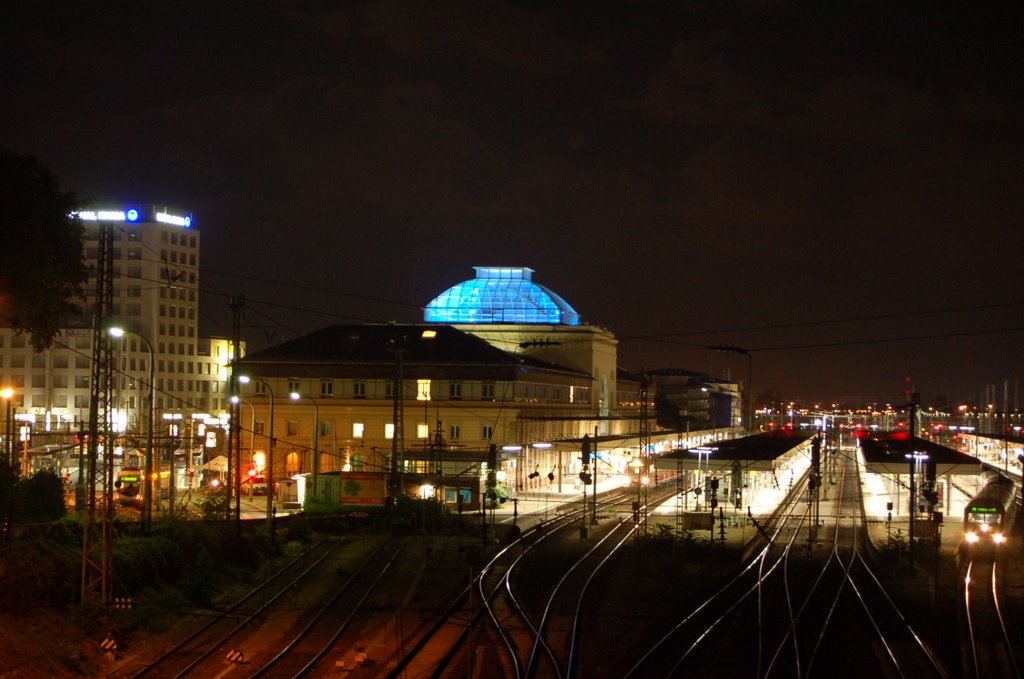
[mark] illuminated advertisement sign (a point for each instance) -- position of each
(135, 214)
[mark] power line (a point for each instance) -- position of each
(910, 338)
(804, 324)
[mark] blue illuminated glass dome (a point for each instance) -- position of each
(500, 295)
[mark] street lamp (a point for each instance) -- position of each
(703, 452)
(316, 432)
(235, 400)
(252, 423)
(8, 395)
(518, 450)
(536, 447)
(269, 474)
(916, 459)
(147, 488)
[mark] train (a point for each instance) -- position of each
(128, 487)
(985, 516)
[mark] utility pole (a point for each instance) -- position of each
(645, 446)
(593, 516)
(235, 440)
(395, 484)
(97, 527)
(915, 400)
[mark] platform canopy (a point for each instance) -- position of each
(895, 452)
(753, 453)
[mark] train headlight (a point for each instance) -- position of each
(971, 537)
(998, 538)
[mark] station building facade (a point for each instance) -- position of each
(498, 361)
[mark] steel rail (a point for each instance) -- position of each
(249, 618)
(834, 559)
(318, 616)
(757, 561)
(228, 611)
(1002, 622)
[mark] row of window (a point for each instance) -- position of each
(174, 257)
(360, 389)
(186, 239)
(175, 311)
(426, 390)
(179, 330)
(174, 237)
(60, 362)
(359, 430)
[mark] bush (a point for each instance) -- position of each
(35, 499)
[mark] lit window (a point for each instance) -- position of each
(422, 390)
(422, 430)
(389, 431)
(357, 430)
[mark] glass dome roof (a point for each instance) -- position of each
(500, 295)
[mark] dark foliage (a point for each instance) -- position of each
(36, 499)
(40, 498)
(41, 264)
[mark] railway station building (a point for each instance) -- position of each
(499, 361)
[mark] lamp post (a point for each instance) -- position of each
(236, 399)
(703, 453)
(638, 465)
(316, 431)
(147, 488)
(916, 459)
(252, 424)
(268, 476)
(8, 395)
(541, 446)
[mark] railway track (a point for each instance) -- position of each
(491, 621)
(332, 617)
(989, 649)
(798, 606)
(210, 640)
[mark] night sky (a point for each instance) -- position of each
(837, 190)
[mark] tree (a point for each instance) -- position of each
(41, 265)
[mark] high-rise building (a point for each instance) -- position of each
(155, 273)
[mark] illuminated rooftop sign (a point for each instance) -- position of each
(165, 218)
(136, 214)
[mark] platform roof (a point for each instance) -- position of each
(754, 453)
(887, 453)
